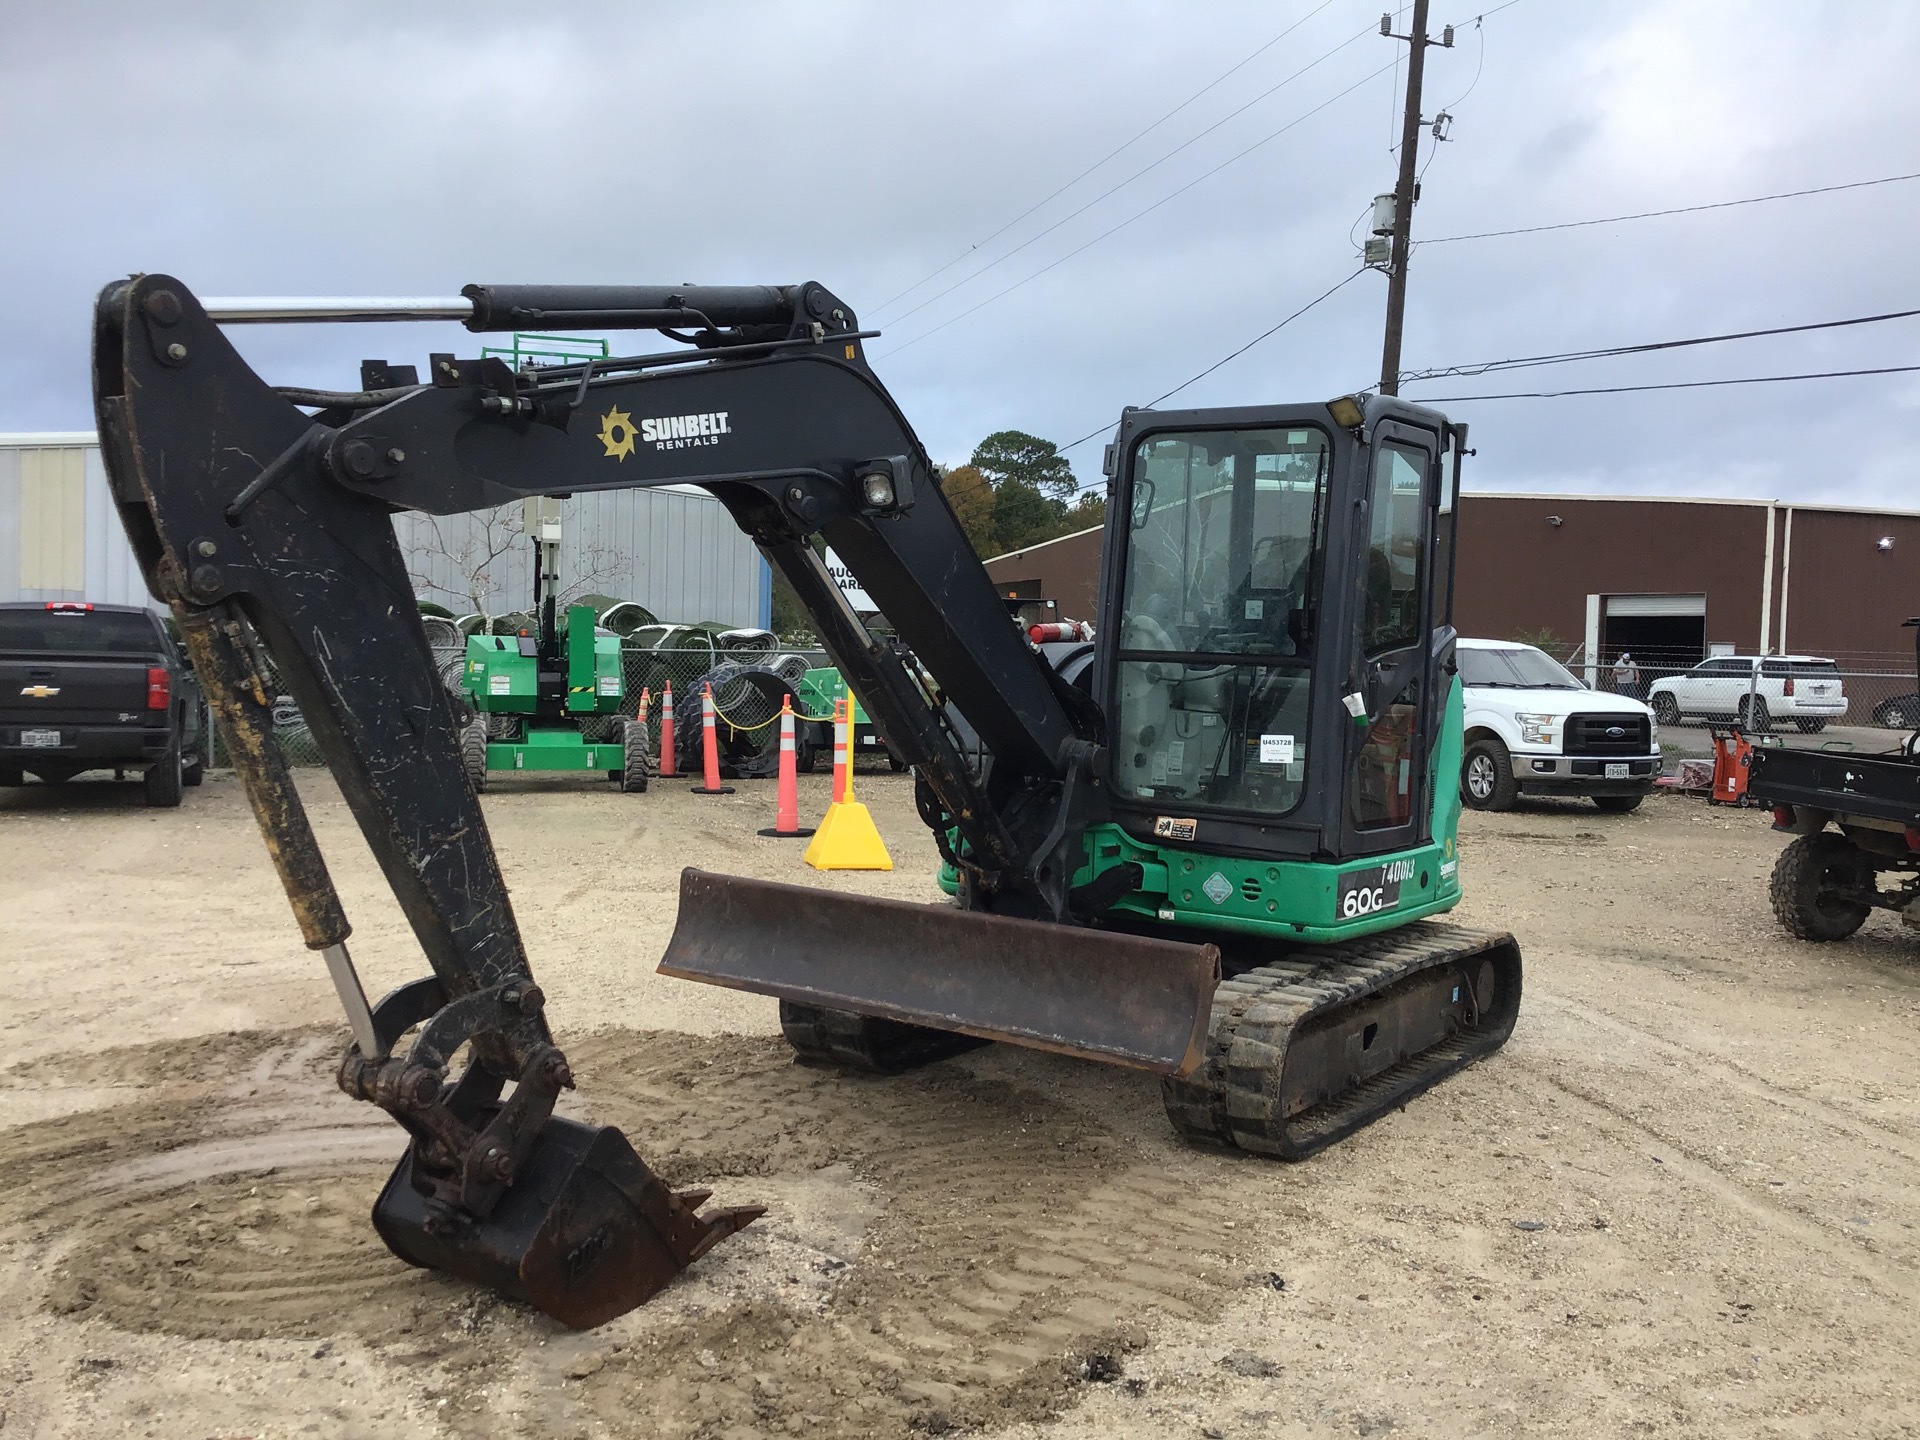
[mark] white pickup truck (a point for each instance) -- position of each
(1532, 728)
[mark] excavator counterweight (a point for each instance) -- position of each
(1210, 842)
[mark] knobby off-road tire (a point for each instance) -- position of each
(1486, 775)
(634, 739)
(1805, 880)
(473, 755)
(161, 783)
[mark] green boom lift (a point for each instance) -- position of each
(554, 699)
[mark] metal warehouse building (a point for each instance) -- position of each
(675, 550)
(1668, 580)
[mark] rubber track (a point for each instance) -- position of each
(1233, 1099)
(863, 1042)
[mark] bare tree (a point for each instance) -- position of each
(466, 559)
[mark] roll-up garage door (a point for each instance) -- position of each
(1646, 606)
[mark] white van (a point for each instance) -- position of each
(1533, 728)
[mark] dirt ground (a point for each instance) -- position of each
(1680, 1202)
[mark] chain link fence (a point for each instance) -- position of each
(1879, 692)
(749, 710)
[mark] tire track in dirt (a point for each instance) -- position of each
(1866, 1128)
(230, 1201)
(1017, 1238)
(1701, 1170)
(1014, 1236)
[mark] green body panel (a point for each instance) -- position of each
(817, 691)
(553, 750)
(1292, 900)
(500, 680)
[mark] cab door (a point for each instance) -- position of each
(1396, 670)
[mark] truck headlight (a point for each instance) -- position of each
(1535, 729)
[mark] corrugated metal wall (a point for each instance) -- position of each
(59, 536)
(676, 551)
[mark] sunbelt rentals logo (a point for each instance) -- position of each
(663, 432)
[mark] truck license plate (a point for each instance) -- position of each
(1616, 772)
(40, 739)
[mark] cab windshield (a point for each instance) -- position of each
(1217, 617)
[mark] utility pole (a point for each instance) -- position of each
(1417, 43)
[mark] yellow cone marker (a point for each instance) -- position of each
(847, 839)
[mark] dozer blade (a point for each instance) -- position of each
(585, 1232)
(1098, 994)
(1309, 1048)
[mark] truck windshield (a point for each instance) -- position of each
(1519, 668)
(1216, 617)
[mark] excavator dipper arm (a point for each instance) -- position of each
(263, 526)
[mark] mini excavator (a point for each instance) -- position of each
(1209, 844)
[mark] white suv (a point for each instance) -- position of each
(1800, 688)
(1534, 729)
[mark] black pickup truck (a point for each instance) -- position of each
(97, 687)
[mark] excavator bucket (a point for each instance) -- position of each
(585, 1232)
(1125, 999)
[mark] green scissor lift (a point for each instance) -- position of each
(555, 699)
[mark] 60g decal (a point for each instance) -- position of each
(1370, 892)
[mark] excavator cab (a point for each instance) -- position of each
(1278, 658)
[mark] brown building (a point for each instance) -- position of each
(1669, 580)
(1065, 571)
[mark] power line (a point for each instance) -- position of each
(1141, 135)
(1529, 361)
(1138, 214)
(1111, 190)
(1233, 355)
(1671, 385)
(1677, 210)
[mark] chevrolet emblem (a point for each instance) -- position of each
(41, 692)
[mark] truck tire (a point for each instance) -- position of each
(1760, 722)
(1811, 727)
(194, 769)
(473, 755)
(161, 783)
(1618, 804)
(1486, 775)
(634, 742)
(1666, 709)
(1804, 880)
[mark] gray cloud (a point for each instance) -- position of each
(365, 149)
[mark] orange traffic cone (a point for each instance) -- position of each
(646, 704)
(667, 772)
(710, 748)
(842, 748)
(786, 815)
(847, 838)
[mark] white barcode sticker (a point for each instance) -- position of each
(1276, 749)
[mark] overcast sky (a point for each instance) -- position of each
(333, 149)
